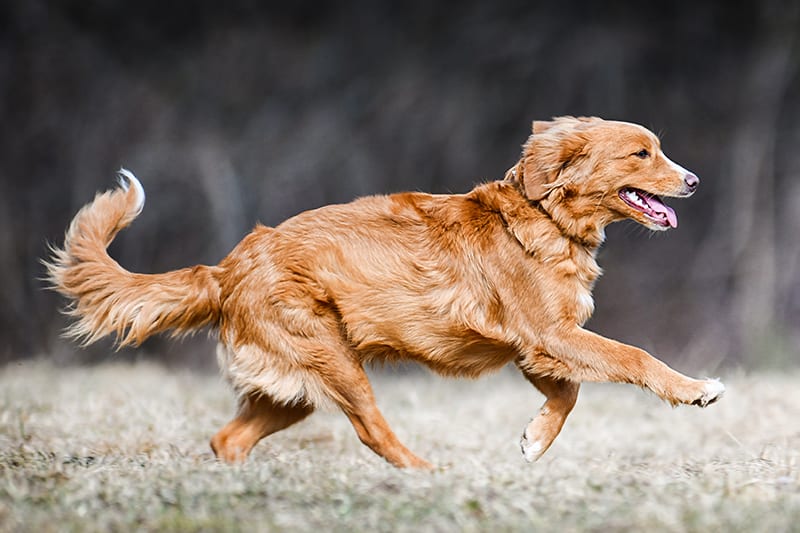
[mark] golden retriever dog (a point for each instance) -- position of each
(462, 283)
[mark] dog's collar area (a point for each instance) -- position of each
(520, 188)
(594, 236)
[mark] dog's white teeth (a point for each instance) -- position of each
(635, 198)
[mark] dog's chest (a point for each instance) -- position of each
(584, 303)
(583, 272)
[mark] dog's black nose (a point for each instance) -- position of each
(691, 181)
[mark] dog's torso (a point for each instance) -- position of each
(460, 283)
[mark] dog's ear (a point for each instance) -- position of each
(553, 146)
(540, 126)
(566, 121)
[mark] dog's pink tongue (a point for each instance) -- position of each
(656, 205)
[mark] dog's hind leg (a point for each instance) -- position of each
(545, 427)
(350, 389)
(258, 417)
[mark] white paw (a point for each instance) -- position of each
(532, 450)
(712, 391)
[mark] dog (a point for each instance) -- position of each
(462, 283)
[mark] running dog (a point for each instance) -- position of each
(463, 284)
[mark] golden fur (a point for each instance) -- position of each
(463, 284)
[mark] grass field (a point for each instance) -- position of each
(124, 447)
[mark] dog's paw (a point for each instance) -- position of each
(713, 390)
(532, 449)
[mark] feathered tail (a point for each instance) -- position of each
(106, 298)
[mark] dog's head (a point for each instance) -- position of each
(601, 171)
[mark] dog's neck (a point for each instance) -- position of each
(586, 228)
(587, 231)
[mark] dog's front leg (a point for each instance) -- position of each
(580, 355)
(545, 427)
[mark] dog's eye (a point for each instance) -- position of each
(641, 154)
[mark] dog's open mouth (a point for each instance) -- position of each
(651, 206)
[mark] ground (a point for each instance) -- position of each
(124, 447)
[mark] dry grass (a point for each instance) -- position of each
(121, 447)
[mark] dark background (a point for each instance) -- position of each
(237, 112)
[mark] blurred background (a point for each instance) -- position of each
(236, 112)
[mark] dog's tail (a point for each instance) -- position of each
(106, 298)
